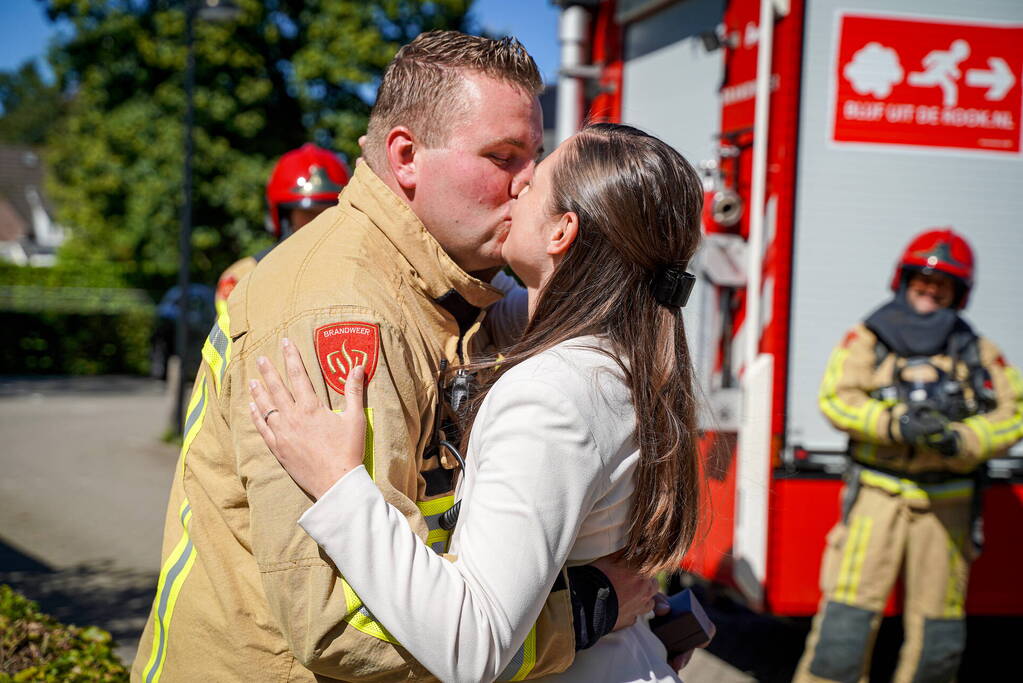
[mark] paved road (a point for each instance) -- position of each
(82, 501)
(82, 497)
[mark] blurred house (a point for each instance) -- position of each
(28, 233)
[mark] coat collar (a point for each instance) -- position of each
(442, 279)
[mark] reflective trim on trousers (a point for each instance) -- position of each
(851, 569)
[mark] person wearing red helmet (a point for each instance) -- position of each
(303, 183)
(925, 401)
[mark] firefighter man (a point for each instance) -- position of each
(925, 402)
(304, 182)
(382, 280)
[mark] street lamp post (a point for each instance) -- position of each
(214, 11)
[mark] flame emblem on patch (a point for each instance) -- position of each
(341, 362)
(342, 346)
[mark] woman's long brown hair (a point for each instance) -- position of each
(639, 204)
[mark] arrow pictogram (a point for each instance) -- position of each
(998, 80)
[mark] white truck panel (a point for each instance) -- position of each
(670, 90)
(857, 208)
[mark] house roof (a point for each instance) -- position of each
(20, 167)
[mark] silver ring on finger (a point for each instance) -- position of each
(268, 413)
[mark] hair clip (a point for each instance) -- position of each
(673, 285)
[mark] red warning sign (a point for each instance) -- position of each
(924, 82)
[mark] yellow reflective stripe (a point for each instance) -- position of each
(172, 577)
(1012, 424)
(996, 436)
(866, 452)
(863, 419)
(367, 449)
(437, 538)
(881, 481)
(959, 491)
(852, 560)
(1015, 380)
(982, 428)
(861, 555)
(1006, 432)
(436, 506)
(367, 452)
(909, 489)
(829, 403)
(360, 618)
(954, 598)
(194, 417)
(874, 417)
(216, 351)
(179, 563)
(524, 660)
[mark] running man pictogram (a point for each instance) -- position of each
(941, 69)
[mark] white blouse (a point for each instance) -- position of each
(548, 482)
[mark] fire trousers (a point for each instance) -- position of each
(892, 526)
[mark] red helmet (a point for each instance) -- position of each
(938, 251)
(303, 178)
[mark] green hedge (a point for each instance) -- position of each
(72, 320)
(36, 647)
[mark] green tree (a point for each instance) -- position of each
(30, 106)
(284, 73)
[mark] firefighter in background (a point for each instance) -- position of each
(925, 402)
(304, 182)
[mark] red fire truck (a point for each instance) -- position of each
(829, 132)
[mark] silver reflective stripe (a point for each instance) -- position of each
(196, 412)
(433, 524)
(514, 665)
(161, 611)
(218, 339)
(433, 521)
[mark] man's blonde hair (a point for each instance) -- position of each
(422, 88)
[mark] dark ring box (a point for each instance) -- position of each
(685, 627)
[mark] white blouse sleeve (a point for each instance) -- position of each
(538, 475)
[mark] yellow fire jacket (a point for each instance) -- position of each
(244, 594)
(855, 376)
(230, 278)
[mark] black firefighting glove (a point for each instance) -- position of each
(919, 423)
(947, 442)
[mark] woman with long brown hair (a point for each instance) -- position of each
(582, 442)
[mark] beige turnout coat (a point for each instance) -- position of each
(244, 594)
(854, 373)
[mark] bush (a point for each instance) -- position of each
(72, 320)
(36, 647)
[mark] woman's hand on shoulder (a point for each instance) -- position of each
(314, 444)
